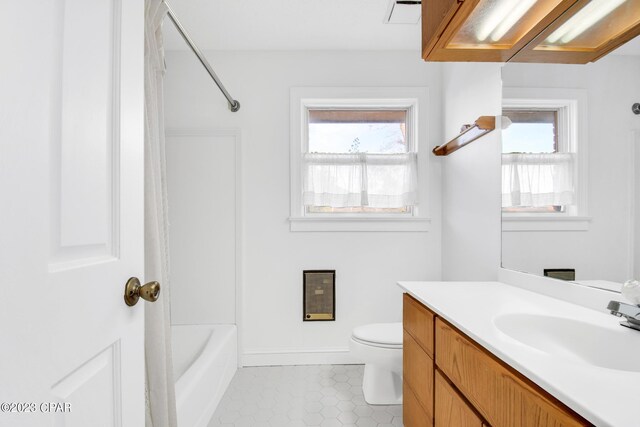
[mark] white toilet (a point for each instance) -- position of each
(379, 346)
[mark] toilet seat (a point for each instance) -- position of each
(383, 335)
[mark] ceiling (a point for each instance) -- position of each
(289, 25)
(298, 25)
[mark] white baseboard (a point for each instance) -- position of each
(273, 357)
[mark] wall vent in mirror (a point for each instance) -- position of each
(561, 273)
(319, 295)
(403, 12)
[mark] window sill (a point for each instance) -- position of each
(548, 223)
(359, 224)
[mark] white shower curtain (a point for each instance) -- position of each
(160, 391)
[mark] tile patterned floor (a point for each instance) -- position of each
(301, 396)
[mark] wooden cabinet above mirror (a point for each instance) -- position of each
(559, 31)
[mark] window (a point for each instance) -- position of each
(359, 161)
(354, 159)
(542, 154)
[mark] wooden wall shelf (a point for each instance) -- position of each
(481, 127)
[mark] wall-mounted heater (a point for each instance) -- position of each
(561, 273)
(319, 295)
(403, 12)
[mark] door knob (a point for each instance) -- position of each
(133, 291)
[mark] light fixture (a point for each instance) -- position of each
(505, 15)
(499, 14)
(514, 16)
(583, 20)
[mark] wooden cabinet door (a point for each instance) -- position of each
(436, 15)
(503, 397)
(451, 409)
(418, 321)
(418, 372)
(413, 413)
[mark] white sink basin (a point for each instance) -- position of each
(574, 340)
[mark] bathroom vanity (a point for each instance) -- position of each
(492, 354)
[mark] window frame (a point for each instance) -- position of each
(413, 99)
(571, 105)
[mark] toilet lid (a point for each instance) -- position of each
(384, 334)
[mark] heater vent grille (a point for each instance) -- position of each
(319, 296)
(403, 12)
(561, 273)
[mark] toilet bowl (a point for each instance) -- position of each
(379, 346)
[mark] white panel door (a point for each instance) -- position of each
(71, 215)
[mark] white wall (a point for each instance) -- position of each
(601, 252)
(201, 181)
(368, 264)
(471, 176)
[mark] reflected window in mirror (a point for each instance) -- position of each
(539, 161)
(531, 131)
(602, 243)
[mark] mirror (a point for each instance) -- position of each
(571, 170)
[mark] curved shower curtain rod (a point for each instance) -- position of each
(234, 105)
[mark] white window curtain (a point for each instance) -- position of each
(538, 180)
(160, 390)
(348, 180)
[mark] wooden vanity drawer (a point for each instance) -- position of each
(418, 321)
(501, 395)
(450, 408)
(418, 369)
(413, 414)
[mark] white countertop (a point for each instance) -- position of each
(605, 397)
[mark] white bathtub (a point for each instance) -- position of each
(205, 358)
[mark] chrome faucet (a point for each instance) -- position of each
(630, 312)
